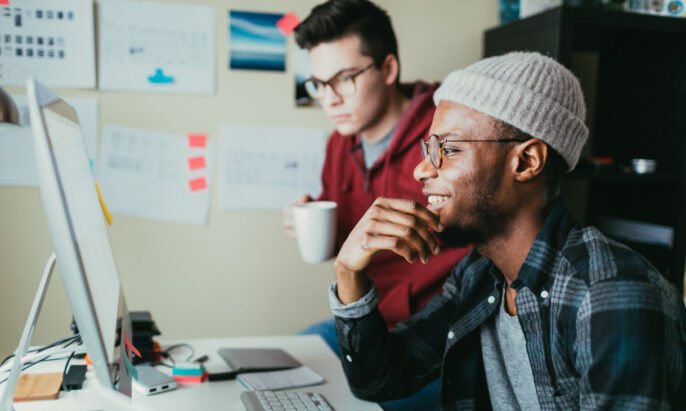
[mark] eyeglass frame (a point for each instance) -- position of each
(426, 150)
(333, 78)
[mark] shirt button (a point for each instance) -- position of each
(349, 358)
(451, 335)
(544, 294)
(491, 300)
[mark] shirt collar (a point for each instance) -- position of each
(546, 249)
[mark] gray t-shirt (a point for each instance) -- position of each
(508, 369)
(373, 151)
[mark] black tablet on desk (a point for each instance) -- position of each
(257, 359)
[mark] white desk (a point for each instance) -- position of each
(219, 395)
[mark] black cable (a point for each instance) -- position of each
(167, 351)
(31, 364)
(64, 372)
(45, 347)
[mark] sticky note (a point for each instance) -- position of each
(131, 347)
(287, 23)
(129, 367)
(4, 2)
(197, 140)
(192, 378)
(193, 372)
(198, 184)
(195, 163)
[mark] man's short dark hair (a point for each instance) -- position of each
(555, 165)
(336, 19)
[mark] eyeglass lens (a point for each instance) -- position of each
(432, 149)
(435, 152)
(342, 85)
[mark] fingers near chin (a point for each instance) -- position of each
(417, 209)
(390, 243)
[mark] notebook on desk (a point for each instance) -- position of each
(258, 359)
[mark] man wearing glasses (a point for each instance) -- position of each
(379, 123)
(543, 313)
(355, 78)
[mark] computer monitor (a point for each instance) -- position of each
(79, 236)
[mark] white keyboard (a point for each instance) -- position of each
(283, 400)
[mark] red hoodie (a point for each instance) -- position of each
(404, 288)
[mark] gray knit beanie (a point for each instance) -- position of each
(527, 90)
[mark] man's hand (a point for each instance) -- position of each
(287, 212)
(401, 226)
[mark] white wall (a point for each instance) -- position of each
(239, 275)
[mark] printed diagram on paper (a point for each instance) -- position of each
(168, 48)
(49, 40)
(266, 168)
(155, 175)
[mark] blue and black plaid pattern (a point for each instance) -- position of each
(603, 328)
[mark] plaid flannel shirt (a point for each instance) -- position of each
(603, 329)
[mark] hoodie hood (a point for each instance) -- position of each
(416, 119)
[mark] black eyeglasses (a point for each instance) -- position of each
(341, 84)
(433, 147)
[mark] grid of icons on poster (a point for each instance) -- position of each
(50, 40)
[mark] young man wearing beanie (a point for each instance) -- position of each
(543, 313)
(379, 123)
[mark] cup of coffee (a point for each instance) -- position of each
(315, 230)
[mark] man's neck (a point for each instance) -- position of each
(388, 119)
(509, 250)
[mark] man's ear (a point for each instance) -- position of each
(391, 69)
(529, 159)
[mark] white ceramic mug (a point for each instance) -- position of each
(315, 230)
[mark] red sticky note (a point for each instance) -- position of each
(197, 140)
(131, 347)
(195, 163)
(197, 184)
(287, 23)
(4, 2)
(190, 378)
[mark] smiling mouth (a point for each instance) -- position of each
(436, 200)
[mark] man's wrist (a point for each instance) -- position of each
(345, 273)
(352, 284)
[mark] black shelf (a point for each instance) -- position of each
(549, 32)
(620, 177)
(632, 68)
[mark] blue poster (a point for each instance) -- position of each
(255, 41)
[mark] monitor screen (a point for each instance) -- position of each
(79, 235)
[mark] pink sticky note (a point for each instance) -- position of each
(195, 163)
(197, 140)
(131, 347)
(197, 184)
(287, 23)
(4, 2)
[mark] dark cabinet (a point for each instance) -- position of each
(632, 68)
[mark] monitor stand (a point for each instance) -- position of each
(6, 401)
(8, 395)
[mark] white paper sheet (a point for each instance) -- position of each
(53, 41)
(166, 48)
(146, 174)
(17, 158)
(267, 168)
